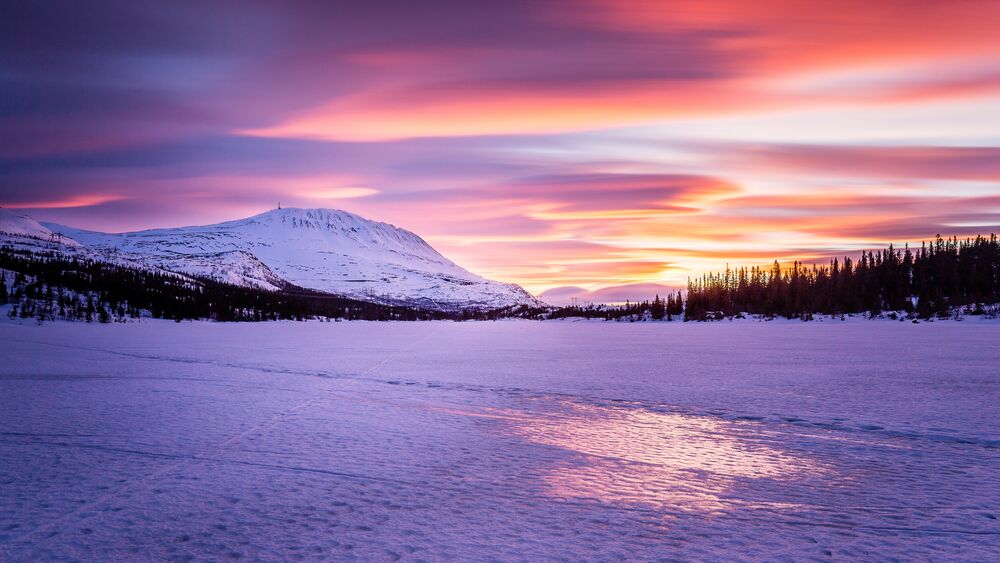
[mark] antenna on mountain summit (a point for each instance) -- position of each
(279, 205)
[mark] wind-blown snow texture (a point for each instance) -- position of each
(323, 249)
(509, 440)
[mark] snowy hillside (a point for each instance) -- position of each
(322, 249)
(14, 225)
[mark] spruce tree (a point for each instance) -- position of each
(657, 309)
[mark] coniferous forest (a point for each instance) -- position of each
(933, 280)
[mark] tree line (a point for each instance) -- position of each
(933, 280)
(657, 309)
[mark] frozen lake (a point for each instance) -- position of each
(508, 440)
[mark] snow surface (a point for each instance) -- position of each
(507, 440)
(323, 249)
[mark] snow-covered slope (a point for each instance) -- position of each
(323, 249)
(15, 226)
(237, 267)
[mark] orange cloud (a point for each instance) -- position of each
(671, 60)
(790, 35)
(505, 110)
(83, 200)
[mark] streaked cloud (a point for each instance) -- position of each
(556, 143)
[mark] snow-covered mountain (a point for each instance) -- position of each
(323, 249)
(27, 231)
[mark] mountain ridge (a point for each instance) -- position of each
(327, 250)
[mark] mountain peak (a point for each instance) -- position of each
(328, 250)
(311, 213)
(318, 217)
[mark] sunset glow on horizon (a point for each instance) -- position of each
(573, 147)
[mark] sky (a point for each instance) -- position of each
(589, 148)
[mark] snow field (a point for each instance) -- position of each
(507, 440)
